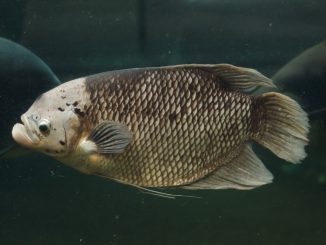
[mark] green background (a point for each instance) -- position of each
(44, 202)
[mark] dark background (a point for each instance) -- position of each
(43, 202)
(82, 37)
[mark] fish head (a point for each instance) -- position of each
(51, 126)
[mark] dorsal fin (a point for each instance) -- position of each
(237, 78)
(245, 172)
(241, 78)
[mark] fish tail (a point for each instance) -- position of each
(283, 126)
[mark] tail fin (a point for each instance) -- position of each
(286, 127)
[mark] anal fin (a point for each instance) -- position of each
(245, 172)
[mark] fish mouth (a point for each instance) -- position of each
(23, 134)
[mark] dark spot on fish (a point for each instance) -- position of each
(79, 112)
(173, 117)
(67, 104)
(75, 103)
(183, 110)
(62, 142)
(192, 87)
(56, 151)
(61, 109)
(54, 129)
(227, 104)
(126, 109)
(63, 96)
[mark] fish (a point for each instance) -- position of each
(304, 77)
(190, 126)
(23, 75)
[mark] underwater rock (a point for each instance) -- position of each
(305, 77)
(23, 76)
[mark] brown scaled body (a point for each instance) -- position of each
(186, 123)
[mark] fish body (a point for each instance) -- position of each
(186, 125)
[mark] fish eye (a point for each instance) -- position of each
(44, 126)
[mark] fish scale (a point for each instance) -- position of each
(189, 137)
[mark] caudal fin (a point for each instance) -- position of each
(286, 127)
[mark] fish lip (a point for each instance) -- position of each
(20, 135)
(23, 133)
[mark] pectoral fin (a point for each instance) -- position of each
(107, 138)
